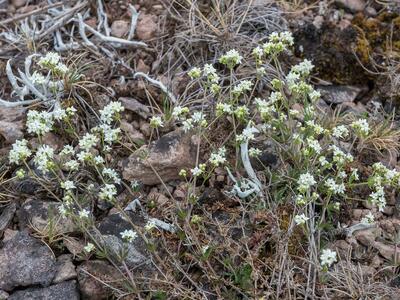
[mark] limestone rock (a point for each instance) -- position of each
(25, 261)
(62, 291)
(166, 157)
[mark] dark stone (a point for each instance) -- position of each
(66, 290)
(7, 215)
(25, 261)
(336, 94)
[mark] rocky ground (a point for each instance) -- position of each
(355, 47)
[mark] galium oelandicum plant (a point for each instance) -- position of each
(322, 171)
(62, 167)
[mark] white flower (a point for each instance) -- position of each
(368, 219)
(340, 132)
(194, 73)
(68, 185)
(88, 141)
(72, 165)
(111, 174)
(314, 95)
(89, 247)
(242, 87)
(378, 198)
(339, 157)
(254, 152)
(128, 235)
(98, 160)
(39, 122)
(314, 145)
(305, 182)
(61, 68)
(300, 200)
(107, 192)
(258, 53)
(59, 114)
(300, 219)
(156, 122)
(322, 161)
(198, 117)
(84, 214)
(43, 157)
(109, 111)
(224, 108)
(333, 187)
(178, 111)
(354, 174)
(303, 69)
(150, 225)
(231, 58)
(71, 111)
(19, 151)
(196, 171)
(210, 72)
(110, 134)
(67, 150)
(63, 210)
(51, 59)
(361, 127)
(84, 156)
(187, 125)
(38, 79)
(328, 257)
(218, 158)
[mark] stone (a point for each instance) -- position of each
(119, 28)
(134, 135)
(37, 213)
(387, 251)
(62, 291)
(4, 295)
(89, 274)
(18, 3)
(7, 215)
(25, 261)
(353, 5)
(135, 106)
(12, 122)
(163, 159)
(337, 94)
(159, 198)
(75, 246)
(367, 236)
(65, 269)
(110, 229)
(146, 28)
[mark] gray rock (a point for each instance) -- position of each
(353, 5)
(12, 123)
(166, 157)
(337, 94)
(119, 28)
(63, 291)
(6, 215)
(25, 261)
(3, 295)
(65, 269)
(37, 214)
(110, 229)
(89, 286)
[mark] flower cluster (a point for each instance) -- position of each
(19, 152)
(328, 257)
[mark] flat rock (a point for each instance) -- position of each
(353, 5)
(7, 215)
(387, 251)
(135, 106)
(12, 123)
(67, 290)
(65, 269)
(166, 157)
(146, 27)
(110, 229)
(25, 261)
(119, 28)
(89, 286)
(336, 94)
(37, 213)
